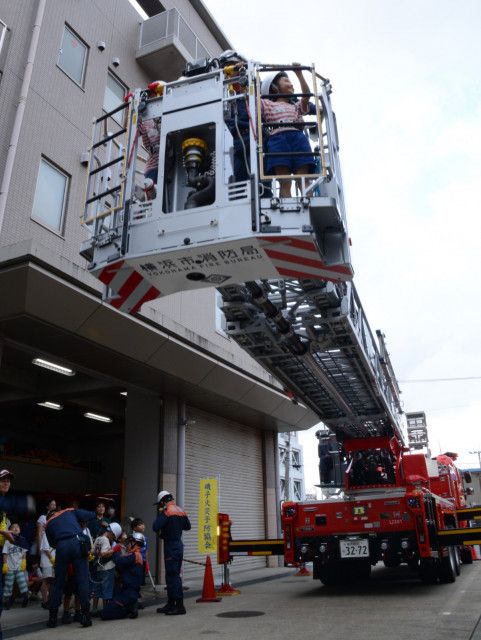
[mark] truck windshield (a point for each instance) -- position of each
(370, 467)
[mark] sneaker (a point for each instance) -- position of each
(85, 619)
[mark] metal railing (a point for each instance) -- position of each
(170, 23)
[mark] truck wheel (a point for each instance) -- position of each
(457, 560)
(466, 557)
(427, 571)
(327, 574)
(447, 567)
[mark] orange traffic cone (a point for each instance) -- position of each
(302, 571)
(208, 589)
(474, 552)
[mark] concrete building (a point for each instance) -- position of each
(196, 405)
(291, 466)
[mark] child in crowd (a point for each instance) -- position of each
(14, 566)
(286, 139)
(138, 526)
(47, 564)
(105, 575)
(35, 578)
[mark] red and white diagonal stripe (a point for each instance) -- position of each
(299, 258)
(131, 289)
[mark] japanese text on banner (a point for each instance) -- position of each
(208, 508)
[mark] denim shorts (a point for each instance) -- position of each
(289, 141)
(104, 585)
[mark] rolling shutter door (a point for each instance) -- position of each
(233, 452)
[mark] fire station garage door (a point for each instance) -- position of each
(233, 452)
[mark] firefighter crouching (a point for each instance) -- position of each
(64, 533)
(169, 524)
(131, 569)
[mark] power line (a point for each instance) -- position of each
(439, 379)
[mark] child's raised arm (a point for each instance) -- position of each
(304, 87)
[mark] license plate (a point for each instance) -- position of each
(354, 548)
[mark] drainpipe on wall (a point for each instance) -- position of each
(278, 484)
(181, 424)
(22, 101)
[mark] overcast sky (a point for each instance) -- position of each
(406, 78)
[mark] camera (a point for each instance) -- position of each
(115, 62)
(101, 45)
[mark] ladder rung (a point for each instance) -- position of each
(103, 194)
(104, 166)
(110, 137)
(111, 113)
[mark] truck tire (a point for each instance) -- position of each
(447, 567)
(327, 574)
(466, 557)
(428, 571)
(457, 560)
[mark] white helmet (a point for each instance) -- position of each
(115, 528)
(269, 80)
(229, 56)
(138, 537)
(161, 495)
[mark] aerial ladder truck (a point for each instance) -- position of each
(282, 266)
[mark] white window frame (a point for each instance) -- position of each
(125, 88)
(80, 84)
(297, 484)
(220, 321)
(40, 221)
(282, 454)
(3, 34)
(295, 457)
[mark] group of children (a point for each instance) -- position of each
(27, 574)
(287, 150)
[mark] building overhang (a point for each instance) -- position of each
(49, 314)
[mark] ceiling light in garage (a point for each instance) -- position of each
(97, 416)
(123, 393)
(50, 405)
(53, 366)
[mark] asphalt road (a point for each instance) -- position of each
(392, 605)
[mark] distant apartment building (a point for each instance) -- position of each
(291, 467)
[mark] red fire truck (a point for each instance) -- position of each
(395, 506)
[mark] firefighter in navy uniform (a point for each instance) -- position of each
(169, 524)
(131, 569)
(64, 533)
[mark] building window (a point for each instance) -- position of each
(283, 488)
(297, 485)
(72, 57)
(50, 196)
(3, 35)
(282, 455)
(114, 95)
(296, 459)
(220, 321)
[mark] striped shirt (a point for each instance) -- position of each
(150, 132)
(273, 112)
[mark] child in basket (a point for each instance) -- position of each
(284, 110)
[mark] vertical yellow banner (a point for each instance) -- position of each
(208, 508)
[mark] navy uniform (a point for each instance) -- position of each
(64, 533)
(131, 570)
(169, 524)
